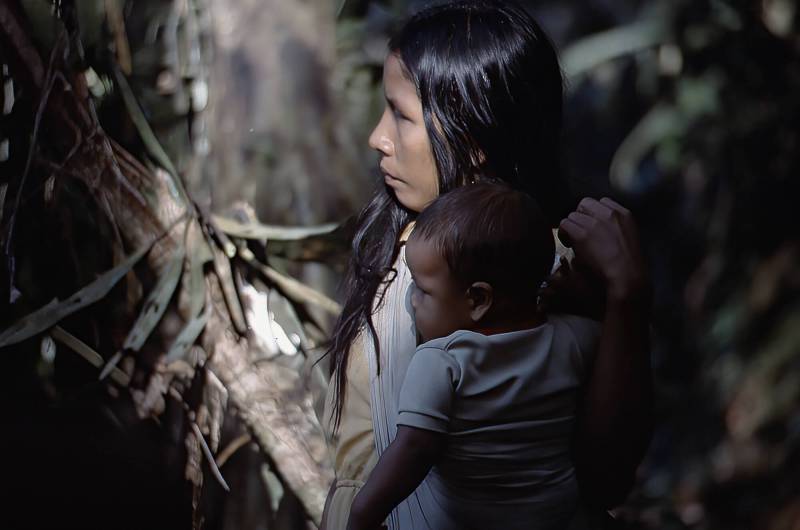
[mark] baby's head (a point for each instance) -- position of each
(478, 255)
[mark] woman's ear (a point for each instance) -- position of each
(480, 298)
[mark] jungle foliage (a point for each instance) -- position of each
(114, 265)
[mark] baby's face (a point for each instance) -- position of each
(440, 303)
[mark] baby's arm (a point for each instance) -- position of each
(401, 468)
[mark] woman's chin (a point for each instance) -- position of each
(405, 199)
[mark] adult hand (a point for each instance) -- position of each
(615, 416)
(573, 290)
(605, 239)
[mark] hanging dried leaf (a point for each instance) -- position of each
(193, 294)
(222, 266)
(215, 400)
(148, 136)
(153, 309)
(83, 349)
(150, 402)
(194, 458)
(49, 315)
(156, 303)
(187, 337)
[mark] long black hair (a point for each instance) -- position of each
(491, 90)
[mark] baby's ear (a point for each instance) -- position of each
(480, 297)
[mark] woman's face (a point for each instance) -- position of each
(407, 163)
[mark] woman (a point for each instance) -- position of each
(474, 92)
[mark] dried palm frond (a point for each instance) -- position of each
(170, 315)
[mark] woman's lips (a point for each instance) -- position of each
(388, 178)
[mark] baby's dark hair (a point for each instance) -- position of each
(493, 233)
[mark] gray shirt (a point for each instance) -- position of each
(507, 403)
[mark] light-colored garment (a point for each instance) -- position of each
(397, 336)
(352, 447)
(366, 429)
(507, 403)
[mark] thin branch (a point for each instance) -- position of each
(49, 84)
(212, 463)
(20, 42)
(291, 288)
(232, 447)
(209, 457)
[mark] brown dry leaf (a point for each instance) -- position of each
(180, 369)
(197, 356)
(222, 266)
(194, 459)
(192, 293)
(150, 402)
(215, 400)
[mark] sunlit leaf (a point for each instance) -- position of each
(589, 52)
(255, 230)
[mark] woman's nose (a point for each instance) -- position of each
(379, 140)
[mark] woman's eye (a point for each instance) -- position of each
(399, 115)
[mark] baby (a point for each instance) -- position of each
(487, 409)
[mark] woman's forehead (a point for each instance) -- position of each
(396, 83)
